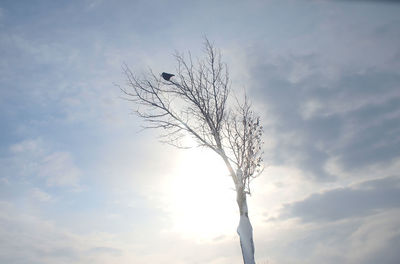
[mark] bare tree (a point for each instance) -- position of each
(194, 102)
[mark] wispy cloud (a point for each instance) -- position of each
(40, 195)
(31, 160)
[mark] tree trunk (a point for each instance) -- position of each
(245, 230)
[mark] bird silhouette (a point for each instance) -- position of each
(167, 76)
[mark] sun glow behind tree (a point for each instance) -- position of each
(199, 196)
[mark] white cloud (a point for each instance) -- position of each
(27, 146)
(310, 108)
(373, 237)
(59, 169)
(40, 195)
(364, 240)
(35, 158)
(28, 239)
(93, 3)
(372, 171)
(4, 181)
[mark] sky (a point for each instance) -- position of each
(80, 182)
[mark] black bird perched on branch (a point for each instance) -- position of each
(167, 76)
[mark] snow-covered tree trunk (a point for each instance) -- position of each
(245, 230)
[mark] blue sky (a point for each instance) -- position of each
(79, 182)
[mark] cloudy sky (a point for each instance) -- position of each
(80, 182)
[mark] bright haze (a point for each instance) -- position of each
(81, 183)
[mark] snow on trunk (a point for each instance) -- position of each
(245, 232)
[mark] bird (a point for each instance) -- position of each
(167, 76)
